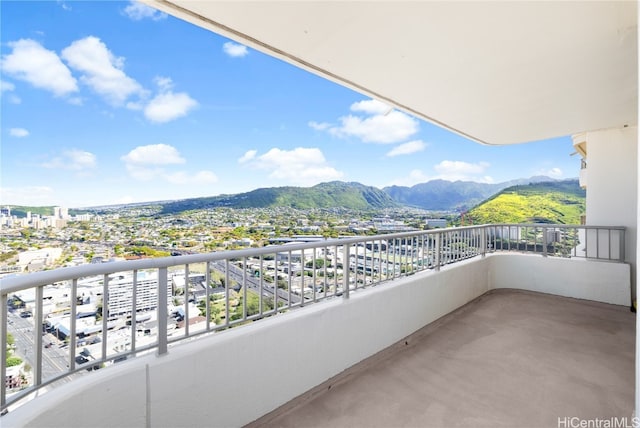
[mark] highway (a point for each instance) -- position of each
(253, 283)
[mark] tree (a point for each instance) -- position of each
(13, 361)
(26, 233)
(6, 256)
(319, 263)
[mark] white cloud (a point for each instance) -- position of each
(31, 62)
(416, 176)
(553, 172)
(460, 167)
(28, 195)
(18, 132)
(138, 11)
(373, 122)
(146, 163)
(319, 126)
(137, 105)
(76, 160)
(203, 177)
(64, 5)
(153, 154)
(164, 83)
(302, 166)
(250, 154)
(102, 71)
(235, 50)
(465, 171)
(143, 173)
(371, 107)
(168, 106)
(407, 148)
(384, 129)
(447, 170)
(6, 86)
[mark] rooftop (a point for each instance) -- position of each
(508, 358)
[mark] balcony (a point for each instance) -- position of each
(322, 318)
(507, 358)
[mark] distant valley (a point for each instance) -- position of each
(442, 195)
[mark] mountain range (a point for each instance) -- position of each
(442, 195)
(324, 195)
(435, 195)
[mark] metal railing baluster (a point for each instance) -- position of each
(134, 311)
(4, 301)
(207, 295)
(346, 260)
(162, 311)
(73, 321)
(105, 315)
(244, 289)
(187, 289)
(227, 285)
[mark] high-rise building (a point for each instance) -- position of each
(61, 212)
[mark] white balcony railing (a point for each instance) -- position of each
(148, 305)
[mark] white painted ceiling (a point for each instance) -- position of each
(496, 72)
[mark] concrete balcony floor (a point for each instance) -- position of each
(509, 358)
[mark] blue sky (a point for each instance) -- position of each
(113, 102)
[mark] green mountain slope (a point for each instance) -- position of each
(324, 195)
(20, 211)
(560, 202)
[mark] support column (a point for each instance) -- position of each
(612, 189)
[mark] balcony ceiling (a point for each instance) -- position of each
(495, 72)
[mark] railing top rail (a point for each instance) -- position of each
(19, 282)
(555, 226)
(16, 283)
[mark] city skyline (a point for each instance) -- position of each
(113, 102)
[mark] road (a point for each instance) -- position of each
(55, 360)
(253, 283)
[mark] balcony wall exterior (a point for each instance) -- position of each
(234, 377)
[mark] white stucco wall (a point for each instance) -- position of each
(234, 377)
(612, 196)
(612, 193)
(607, 282)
